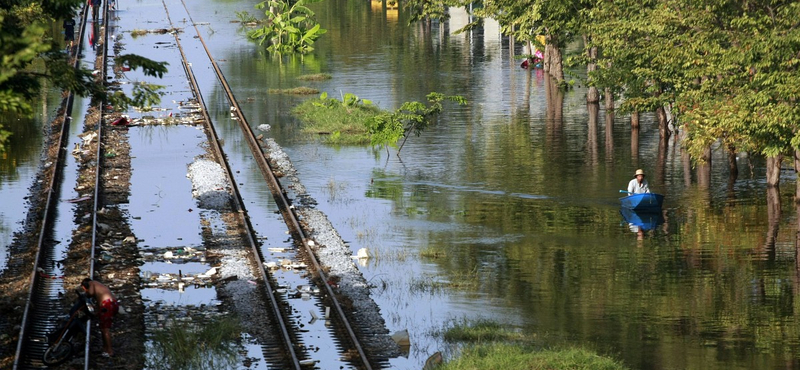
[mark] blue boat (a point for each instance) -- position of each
(645, 220)
(643, 202)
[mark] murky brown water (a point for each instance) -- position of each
(521, 198)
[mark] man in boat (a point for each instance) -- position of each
(638, 185)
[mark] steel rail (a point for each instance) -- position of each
(99, 156)
(50, 205)
(280, 196)
(239, 203)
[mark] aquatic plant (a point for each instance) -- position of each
(300, 90)
(341, 120)
(288, 27)
(189, 345)
(246, 18)
(412, 117)
(315, 77)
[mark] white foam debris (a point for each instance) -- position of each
(209, 184)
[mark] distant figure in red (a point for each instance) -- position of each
(536, 60)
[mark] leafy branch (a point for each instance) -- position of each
(412, 117)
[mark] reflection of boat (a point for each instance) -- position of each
(643, 201)
(646, 220)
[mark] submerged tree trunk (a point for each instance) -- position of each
(592, 95)
(774, 171)
(553, 59)
(797, 183)
(609, 136)
(773, 218)
(733, 166)
(663, 123)
(704, 169)
(635, 145)
(635, 119)
(591, 141)
(686, 159)
(609, 97)
(661, 161)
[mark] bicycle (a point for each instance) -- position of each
(60, 346)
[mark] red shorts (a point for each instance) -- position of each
(108, 309)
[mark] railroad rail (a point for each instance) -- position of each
(43, 301)
(289, 343)
(287, 211)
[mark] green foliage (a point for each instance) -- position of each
(342, 122)
(187, 345)
(412, 117)
(300, 90)
(246, 17)
(288, 27)
(23, 40)
(521, 357)
(492, 345)
(480, 331)
(315, 77)
(149, 67)
(426, 10)
(729, 69)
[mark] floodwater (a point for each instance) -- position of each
(519, 190)
(19, 164)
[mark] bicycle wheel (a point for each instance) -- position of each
(57, 353)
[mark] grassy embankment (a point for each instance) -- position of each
(489, 345)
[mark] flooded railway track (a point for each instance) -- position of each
(50, 278)
(351, 348)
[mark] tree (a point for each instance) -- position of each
(412, 117)
(23, 40)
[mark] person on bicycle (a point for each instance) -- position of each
(108, 308)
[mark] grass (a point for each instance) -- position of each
(138, 32)
(431, 252)
(189, 345)
(521, 357)
(480, 331)
(300, 90)
(491, 345)
(315, 77)
(342, 125)
(428, 284)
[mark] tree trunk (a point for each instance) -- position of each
(663, 123)
(609, 96)
(774, 218)
(609, 136)
(797, 184)
(591, 141)
(592, 95)
(774, 171)
(687, 167)
(555, 59)
(733, 166)
(733, 171)
(704, 169)
(635, 145)
(635, 120)
(661, 161)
